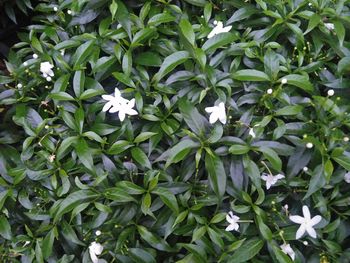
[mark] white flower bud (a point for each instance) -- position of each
(25, 63)
(35, 56)
(19, 85)
(305, 243)
(305, 169)
(69, 12)
(48, 78)
(284, 81)
(269, 91)
(98, 233)
(309, 145)
(346, 139)
(55, 8)
(330, 92)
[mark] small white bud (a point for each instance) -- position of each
(284, 81)
(26, 243)
(310, 4)
(305, 169)
(35, 56)
(346, 139)
(69, 12)
(19, 85)
(98, 233)
(286, 207)
(55, 8)
(215, 22)
(330, 92)
(48, 78)
(25, 63)
(305, 243)
(269, 91)
(309, 145)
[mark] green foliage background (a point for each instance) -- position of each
(159, 185)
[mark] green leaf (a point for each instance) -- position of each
(242, 13)
(83, 53)
(140, 157)
(180, 151)
(343, 160)
(344, 65)
(168, 198)
(141, 255)
(317, 181)
(247, 251)
(252, 170)
(160, 19)
(315, 19)
(84, 154)
(124, 79)
(289, 110)
(273, 158)
(250, 75)
(148, 58)
(142, 35)
(216, 173)
(218, 41)
(195, 121)
(340, 31)
(299, 81)
(144, 136)
(113, 9)
(79, 119)
(239, 149)
(170, 63)
(187, 31)
(5, 228)
(61, 96)
(154, 240)
(48, 243)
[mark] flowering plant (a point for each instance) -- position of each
(177, 131)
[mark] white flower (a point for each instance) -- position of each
(98, 233)
(219, 29)
(329, 26)
(287, 249)
(117, 103)
(35, 56)
(330, 92)
(52, 158)
(306, 223)
(26, 243)
(270, 179)
(46, 69)
(269, 91)
(347, 177)
(284, 81)
(309, 145)
(95, 249)
(217, 113)
(252, 133)
(233, 220)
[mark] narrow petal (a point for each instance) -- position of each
(131, 112)
(264, 177)
(214, 116)
(114, 109)
(106, 106)
(223, 119)
(226, 29)
(121, 115)
(297, 219)
(279, 176)
(300, 231)
(306, 212)
(230, 227)
(236, 227)
(229, 219)
(116, 92)
(315, 220)
(209, 109)
(131, 103)
(311, 231)
(268, 185)
(107, 97)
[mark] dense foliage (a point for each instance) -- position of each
(230, 139)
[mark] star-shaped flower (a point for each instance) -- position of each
(126, 108)
(306, 223)
(46, 69)
(95, 249)
(219, 28)
(287, 249)
(270, 179)
(114, 102)
(233, 220)
(217, 113)
(329, 26)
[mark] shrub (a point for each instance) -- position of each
(228, 120)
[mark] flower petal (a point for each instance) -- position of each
(300, 231)
(297, 219)
(315, 220)
(107, 97)
(306, 212)
(209, 109)
(121, 115)
(311, 231)
(106, 106)
(230, 227)
(214, 116)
